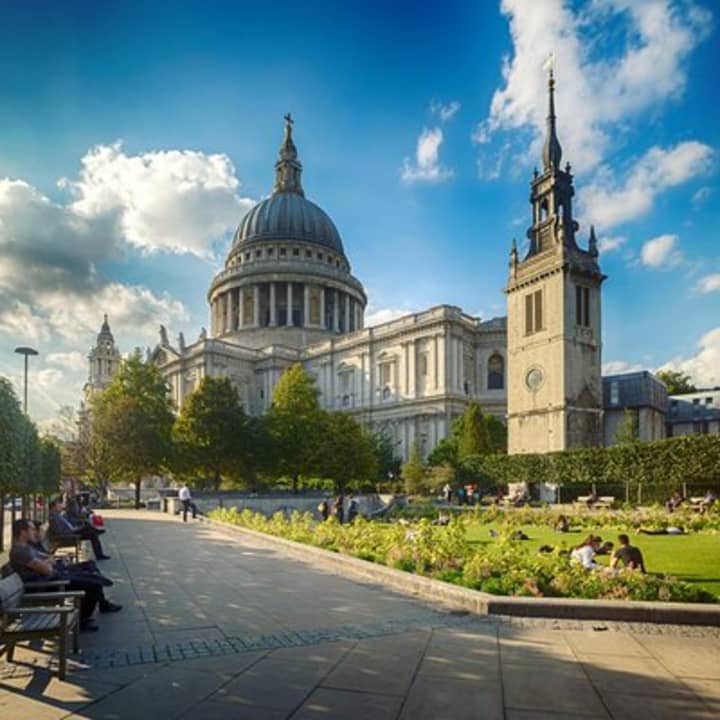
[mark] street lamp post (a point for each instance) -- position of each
(26, 351)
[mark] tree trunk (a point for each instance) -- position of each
(2, 522)
(217, 480)
(138, 485)
(295, 483)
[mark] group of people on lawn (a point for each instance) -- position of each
(32, 559)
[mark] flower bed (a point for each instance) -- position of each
(504, 567)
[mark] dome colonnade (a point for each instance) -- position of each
(287, 267)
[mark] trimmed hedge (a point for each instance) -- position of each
(688, 459)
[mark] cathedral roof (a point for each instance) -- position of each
(287, 214)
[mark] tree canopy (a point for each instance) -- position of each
(133, 420)
(676, 382)
(210, 432)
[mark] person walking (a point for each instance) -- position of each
(187, 504)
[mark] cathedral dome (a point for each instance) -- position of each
(288, 216)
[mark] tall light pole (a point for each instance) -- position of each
(26, 351)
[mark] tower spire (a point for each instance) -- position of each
(288, 168)
(552, 152)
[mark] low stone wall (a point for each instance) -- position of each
(483, 603)
(270, 504)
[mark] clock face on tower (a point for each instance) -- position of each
(534, 378)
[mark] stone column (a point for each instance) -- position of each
(235, 307)
(288, 318)
(256, 305)
(273, 310)
(442, 366)
(322, 306)
(412, 373)
(306, 304)
(347, 313)
(241, 319)
(336, 312)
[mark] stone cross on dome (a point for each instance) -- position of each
(288, 168)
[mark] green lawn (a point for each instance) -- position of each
(694, 558)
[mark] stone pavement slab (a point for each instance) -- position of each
(215, 627)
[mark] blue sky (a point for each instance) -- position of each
(133, 137)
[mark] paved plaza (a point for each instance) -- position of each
(215, 627)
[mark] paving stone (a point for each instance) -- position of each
(605, 643)
(550, 686)
(632, 674)
(686, 657)
(348, 705)
(453, 698)
(625, 706)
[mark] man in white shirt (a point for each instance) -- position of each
(186, 499)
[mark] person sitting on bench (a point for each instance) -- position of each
(26, 561)
(60, 526)
(87, 567)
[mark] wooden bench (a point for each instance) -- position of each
(22, 618)
(603, 501)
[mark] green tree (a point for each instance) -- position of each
(210, 432)
(413, 471)
(133, 419)
(473, 437)
(388, 464)
(627, 431)
(294, 423)
(50, 463)
(346, 453)
(676, 382)
(445, 453)
(11, 456)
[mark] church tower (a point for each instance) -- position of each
(554, 319)
(104, 360)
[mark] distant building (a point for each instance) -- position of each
(103, 362)
(690, 413)
(641, 393)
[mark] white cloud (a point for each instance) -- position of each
(607, 203)
(70, 360)
(593, 93)
(610, 244)
(701, 195)
(378, 316)
(426, 167)
(616, 367)
(709, 283)
(174, 200)
(445, 112)
(19, 322)
(703, 367)
(660, 251)
(135, 311)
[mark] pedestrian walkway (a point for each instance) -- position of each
(215, 627)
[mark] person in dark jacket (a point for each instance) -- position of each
(60, 526)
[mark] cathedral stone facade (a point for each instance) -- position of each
(287, 294)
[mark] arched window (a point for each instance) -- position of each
(543, 211)
(496, 372)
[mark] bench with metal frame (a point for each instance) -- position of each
(22, 618)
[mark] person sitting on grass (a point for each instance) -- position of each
(586, 551)
(628, 555)
(562, 525)
(606, 548)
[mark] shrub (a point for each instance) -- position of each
(501, 568)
